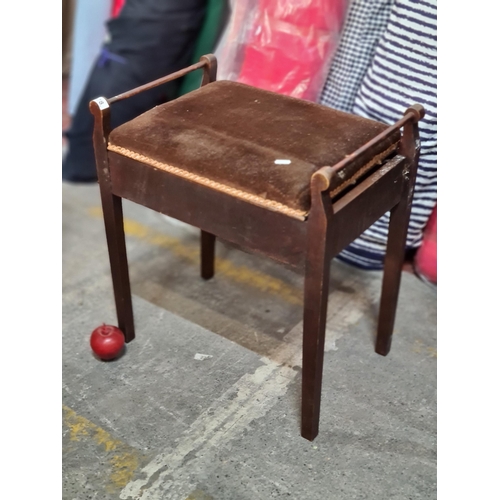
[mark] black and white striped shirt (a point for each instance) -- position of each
(401, 72)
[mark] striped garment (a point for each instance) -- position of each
(365, 23)
(402, 72)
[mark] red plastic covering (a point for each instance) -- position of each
(117, 7)
(426, 256)
(284, 46)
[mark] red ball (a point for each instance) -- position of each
(107, 342)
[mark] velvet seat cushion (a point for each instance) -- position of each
(232, 134)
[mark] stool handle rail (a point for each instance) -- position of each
(322, 179)
(208, 61)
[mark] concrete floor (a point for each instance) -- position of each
(160, 424)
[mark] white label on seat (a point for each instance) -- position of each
(282, 162)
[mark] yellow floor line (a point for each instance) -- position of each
(124, 459)
(239, 274)
(199, 495)
(419, 348)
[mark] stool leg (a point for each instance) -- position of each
(113, 220)
(207, 255)
(115, 236)
(317, 275)
(393, 266)
(398, 228)
(315, 307)
(207, 239)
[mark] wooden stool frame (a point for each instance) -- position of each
(309, 246)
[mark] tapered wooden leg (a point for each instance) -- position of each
(207, 239)
(317, 275)
(398, 227)
(115, 236)
(393, 268)
(113, 220)
(207, 255)
(315, 307)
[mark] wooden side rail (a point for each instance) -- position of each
(207, 62)
(325, 175)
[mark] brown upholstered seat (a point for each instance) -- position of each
(228, 135)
